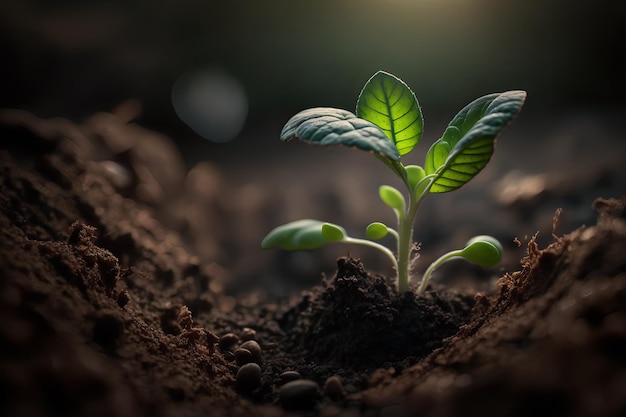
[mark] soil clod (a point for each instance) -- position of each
(360, 321)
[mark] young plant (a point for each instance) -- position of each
(388, 123)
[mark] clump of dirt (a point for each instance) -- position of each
(361, 322)
(351, 329)
(83, 263)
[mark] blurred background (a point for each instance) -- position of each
(217, 80)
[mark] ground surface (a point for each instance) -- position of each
(115, 301)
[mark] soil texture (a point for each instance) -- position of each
(113, 305)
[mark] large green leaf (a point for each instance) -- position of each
(468, 142)
(330, 126)
(390, 104)
(304, 234)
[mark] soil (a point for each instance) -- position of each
(113, 305)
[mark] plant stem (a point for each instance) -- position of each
(405, 236)
(443, 258)
(405, 229)
(378, 246)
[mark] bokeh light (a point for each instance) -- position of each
(211, 103)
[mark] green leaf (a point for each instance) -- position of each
(390, 104)
(329, 126)
(468, 143)
(415, 174)
(392, 197)
(376, 230)
(483, 250)
(333, 233)
(299, 235)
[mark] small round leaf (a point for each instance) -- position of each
(483, 250)
(376, 230)
(415, 173)
(333, 233)
(392, 197)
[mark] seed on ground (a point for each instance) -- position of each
(247, 334)
(255, 349)
(228, 341)
(300, 394)
(242, 356)
(333, 388)
(249, 377)
(288, 376)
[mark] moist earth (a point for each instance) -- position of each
(109, 308)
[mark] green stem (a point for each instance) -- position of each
(405, 230)
(393, 233)
(405, 237)
(435, 265)
(378, 246)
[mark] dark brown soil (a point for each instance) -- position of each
(109, 307)
(360, 322)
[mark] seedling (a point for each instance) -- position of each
(389, 123)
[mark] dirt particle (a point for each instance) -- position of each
(611, 207)
(81, 234)
(184, 318)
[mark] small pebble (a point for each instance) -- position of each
(228, 341)
(288, 376)
(255, 349)
(242, 356)
(333, 388)
(247, 334)
(299, 394)
(249, 377)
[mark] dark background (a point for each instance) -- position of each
(73, 58)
